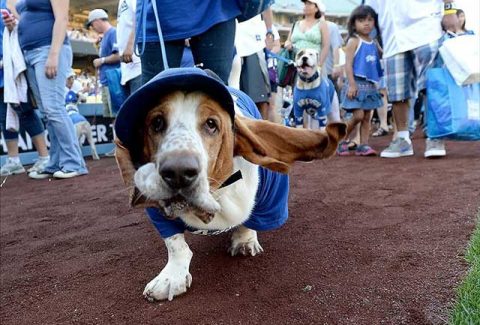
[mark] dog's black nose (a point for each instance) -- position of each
(180, 172)
(304, 59)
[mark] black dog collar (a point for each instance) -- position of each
(232, 179)
(311, 79)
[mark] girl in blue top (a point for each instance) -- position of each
(360, 94)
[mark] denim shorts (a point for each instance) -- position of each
(405, 72)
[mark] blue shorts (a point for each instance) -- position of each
(405, 72)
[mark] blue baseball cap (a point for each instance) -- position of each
(134, 110)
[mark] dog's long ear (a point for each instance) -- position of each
(127, 170)
(276, 147)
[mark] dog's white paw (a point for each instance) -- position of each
(245, 242)
(171, 282)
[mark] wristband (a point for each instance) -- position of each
(102, 60)
(450, 11)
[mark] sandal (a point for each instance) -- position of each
(380, 132)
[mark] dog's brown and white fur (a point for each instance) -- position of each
(191, 129)
(307, 61)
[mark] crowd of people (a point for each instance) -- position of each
(384, 66)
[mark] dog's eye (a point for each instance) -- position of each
(158, 124)
(211, 126)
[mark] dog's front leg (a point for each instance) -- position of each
(245, 242)
(175, 277)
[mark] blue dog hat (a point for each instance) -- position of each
(134, 110)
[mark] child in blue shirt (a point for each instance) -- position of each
(360, 94)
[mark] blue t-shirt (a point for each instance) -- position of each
(108, 46)
(35, 28)
(271, 200)
(317, 102)
(366, 63)
(3, 5)
(183, 19)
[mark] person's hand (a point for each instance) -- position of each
(97, 63)
(352, 91)
(51, 66)
(288, 45)
(337, 72)
(8, 20)
(127, 56)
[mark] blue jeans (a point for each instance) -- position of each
(214, 49)
(65, 153)
(29, 120)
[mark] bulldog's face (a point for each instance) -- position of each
(307, 62)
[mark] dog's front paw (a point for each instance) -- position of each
(245, 242)
(169, 283)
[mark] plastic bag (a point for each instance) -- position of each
(453, 111)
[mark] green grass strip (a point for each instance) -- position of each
(467, 308)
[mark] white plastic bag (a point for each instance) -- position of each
(461, 56)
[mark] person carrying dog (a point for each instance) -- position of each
(360, 94)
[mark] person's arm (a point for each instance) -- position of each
(267, 16)
(128, 52)
(113, 58)
(60, 12)
(10, 20)
(350, 49)
(276, 41)
(325, 47)
(288, 43)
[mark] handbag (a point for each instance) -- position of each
(461, 55)
(453, 111)
(117, 92)
(286, 68)
(252, 8)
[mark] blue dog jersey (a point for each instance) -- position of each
(271, 200)
(316, 102)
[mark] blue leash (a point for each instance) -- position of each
(270, 54)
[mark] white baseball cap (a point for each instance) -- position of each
(319, 3)
(94, 15)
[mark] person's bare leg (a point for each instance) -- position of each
(365, 127)
(273, 114)
(400, 115)
(383, 111)
(40, 145)
(12, 148)
(264, 109)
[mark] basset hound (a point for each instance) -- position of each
(198, 157)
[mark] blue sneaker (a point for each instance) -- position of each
(398, 148)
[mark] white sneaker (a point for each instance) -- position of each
(39, 165)
(11, 168)
(63, 174)
(434, 148)
(39, 175)
(398, 148)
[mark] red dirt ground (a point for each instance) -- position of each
(368, 241)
